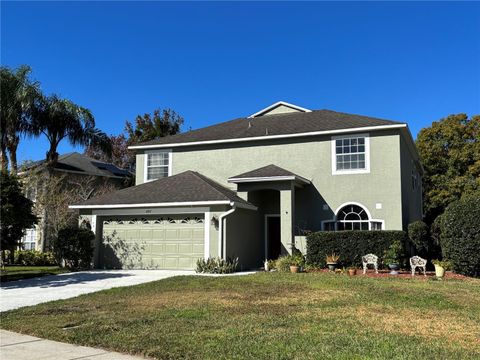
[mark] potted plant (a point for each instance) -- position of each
(352, 271)
(441, 267)
(296, 263)
(332, 261)
(392, 257)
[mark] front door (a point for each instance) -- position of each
(273, 237)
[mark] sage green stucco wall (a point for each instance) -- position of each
(139, 168)
(311, 158)
(411, 198)
(244, 231)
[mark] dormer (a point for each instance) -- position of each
(280, 107)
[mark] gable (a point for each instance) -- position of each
(280, 107)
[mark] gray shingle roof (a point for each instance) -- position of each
(83, 164)
(281, 124)
(188, 186)
(268, 171)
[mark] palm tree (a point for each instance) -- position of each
(60, 119)
(18, 96)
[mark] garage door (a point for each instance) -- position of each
(167, 242)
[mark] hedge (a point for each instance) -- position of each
(350, 245)
(34, 258)
(460, 235)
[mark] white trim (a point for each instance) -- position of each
(350, 171)
(145, 163)
(266, 231)
(268, 137)
(150, 211)
(278, 103)
(268, 178)
(353, 203)
(119, 206)
(206, 252)
(370, 219)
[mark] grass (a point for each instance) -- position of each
(10, 273)
(269, 316)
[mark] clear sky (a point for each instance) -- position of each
(212, 62)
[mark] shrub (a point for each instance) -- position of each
(75, 247)
(34, 258)
(418, 235)
(460, 235)
(350, 245)
(394, 254)
(216, 266)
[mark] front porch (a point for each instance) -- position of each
(272, 190)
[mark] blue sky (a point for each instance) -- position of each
(211, 62)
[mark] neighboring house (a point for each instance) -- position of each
(79, 175)
(252, 187)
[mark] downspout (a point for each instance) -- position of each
(221, 240)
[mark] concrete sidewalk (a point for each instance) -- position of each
(15, 346)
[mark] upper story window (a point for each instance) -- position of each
(350, 154)
(157, 165)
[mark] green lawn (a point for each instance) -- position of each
(10, 273)
(269, 316)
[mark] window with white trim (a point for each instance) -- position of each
(157, 165)
(28, 240)
(350, 154)
(353, 217)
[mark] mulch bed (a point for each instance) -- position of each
(402, 274)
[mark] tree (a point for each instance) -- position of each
(16, 213)
(60, 119)
(18, 96)
(460, 235)
(450, 154)
(147, 127)
(56, 192)
(120, 155)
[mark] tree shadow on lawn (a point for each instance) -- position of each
(52, 281)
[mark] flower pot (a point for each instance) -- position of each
(294, 268)
(439, 271)
(332, 266)
(352, 272)
(394, 269)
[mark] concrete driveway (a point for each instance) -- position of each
(16, 294)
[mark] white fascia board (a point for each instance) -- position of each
(269, 178)
(278, 103)
(269, 137)
(126, 206)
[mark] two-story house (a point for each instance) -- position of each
(76, 174)
(250, 188)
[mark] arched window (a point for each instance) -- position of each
(352, 217)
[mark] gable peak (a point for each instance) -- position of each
(280, 107)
